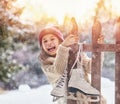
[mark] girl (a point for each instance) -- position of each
(55, 53)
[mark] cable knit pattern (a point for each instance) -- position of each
(61, 59)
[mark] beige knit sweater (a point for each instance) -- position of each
(57, 65)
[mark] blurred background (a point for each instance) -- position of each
(21, 22)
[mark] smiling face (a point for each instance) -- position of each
(50, 44)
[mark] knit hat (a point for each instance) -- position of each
(50, 30)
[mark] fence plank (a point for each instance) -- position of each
(72, 54)
(117, 65)
(117, 78)
(71, 60)
(96, 71)
(102, 47)
(96, 58)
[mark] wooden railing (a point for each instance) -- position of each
(96, 50)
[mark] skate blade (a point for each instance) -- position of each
(75, 90)
(56, 98)
(88, 98)
(71, 96)
(56, 95)
(96, 99)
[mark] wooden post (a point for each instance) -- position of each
(71, 60)
(117, 65)
(96, 57)
(72, 53)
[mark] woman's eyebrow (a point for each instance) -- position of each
(53, 36)
(44, 38)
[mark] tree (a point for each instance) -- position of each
(10, 26)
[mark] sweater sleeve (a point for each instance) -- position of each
(53, 71)
(61, 59)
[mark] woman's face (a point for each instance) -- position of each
(50, 44)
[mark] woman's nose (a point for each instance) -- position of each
(49, 43)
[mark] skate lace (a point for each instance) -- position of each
(79, 53)
(61, 81)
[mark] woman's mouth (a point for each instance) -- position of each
(51, 49)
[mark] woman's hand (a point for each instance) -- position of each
(69, 40)
(100, 39)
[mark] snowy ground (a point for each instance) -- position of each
(41, 95)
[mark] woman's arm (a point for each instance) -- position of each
(59, 64)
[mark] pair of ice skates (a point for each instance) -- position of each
(76, 85)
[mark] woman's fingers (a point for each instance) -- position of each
(100, 39)
(71, 39)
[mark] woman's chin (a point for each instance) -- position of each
(52, 53)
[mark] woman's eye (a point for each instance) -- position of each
(52, 39)
(45, 41)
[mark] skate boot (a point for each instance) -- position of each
(60, 89)
(77, 82)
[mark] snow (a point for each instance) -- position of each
(41, 95)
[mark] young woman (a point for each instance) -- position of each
(54, 55)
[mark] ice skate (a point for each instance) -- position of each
(60, 89)
(77, 82)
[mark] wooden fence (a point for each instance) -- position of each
(96, 50)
